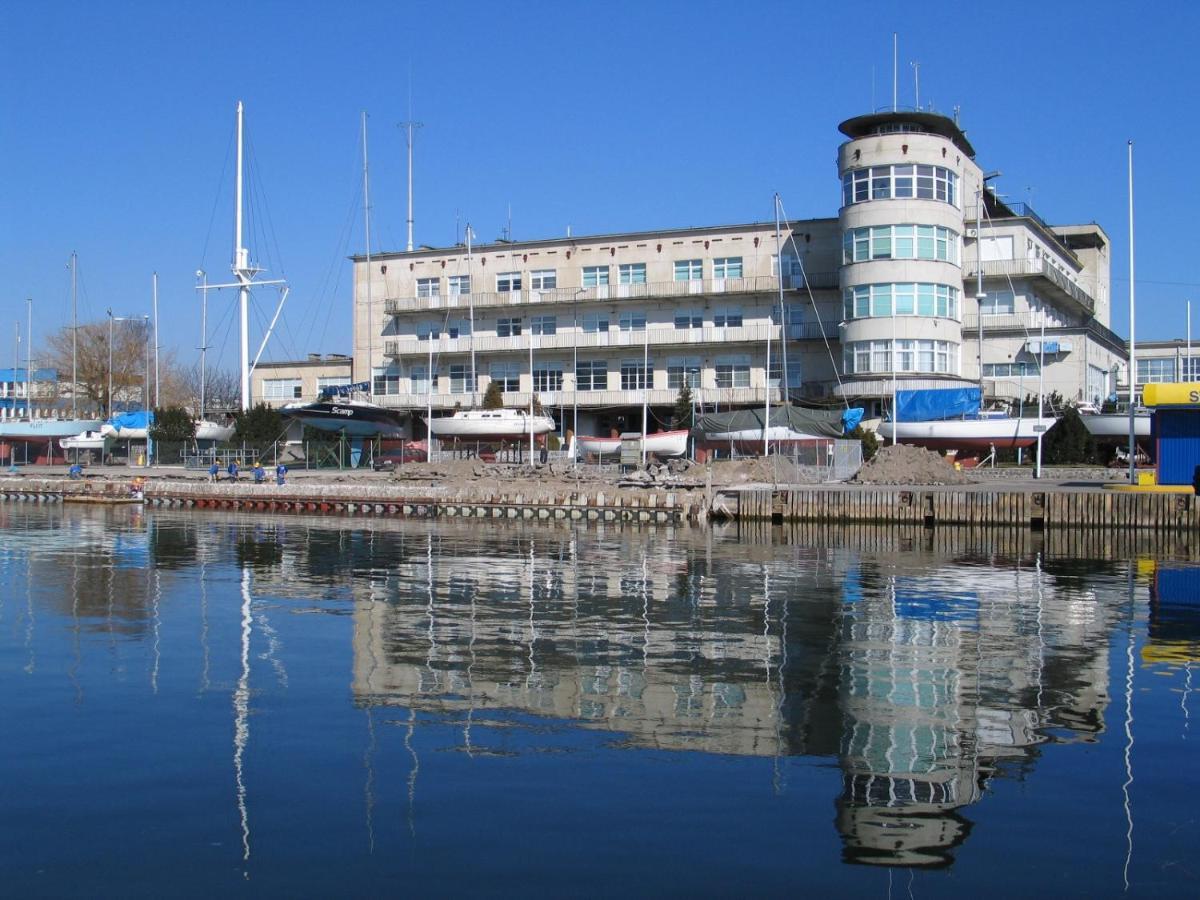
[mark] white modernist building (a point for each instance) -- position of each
(924, 279)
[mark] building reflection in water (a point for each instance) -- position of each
(925, 666)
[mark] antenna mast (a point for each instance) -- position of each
(409, 136)
(74, 335)
(367, 228)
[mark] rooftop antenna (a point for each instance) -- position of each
(916, 67)
(409, 128)
(895, 70)
(367, 229)
(957, 112)
(872, 89)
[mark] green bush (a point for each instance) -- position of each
(868, 439)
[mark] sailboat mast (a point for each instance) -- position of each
(241, 266)
(1132, 342)
(471, 315)
(367, 229)
(29, 358)
(203, 338)
(74, 334)
(156, 403)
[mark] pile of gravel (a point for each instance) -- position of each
(905, 464)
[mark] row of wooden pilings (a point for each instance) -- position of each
(1049, 509)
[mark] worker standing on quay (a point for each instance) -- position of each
(280, 473)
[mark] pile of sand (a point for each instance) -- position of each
(904, 464)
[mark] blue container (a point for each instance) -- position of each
(1176, 434)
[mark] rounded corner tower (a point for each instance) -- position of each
(909, 180)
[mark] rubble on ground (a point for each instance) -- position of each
(906, 464)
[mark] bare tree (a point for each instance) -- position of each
(127, 362)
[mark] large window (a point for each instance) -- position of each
(459, 328)
(595, 322)
(331, 382)
(689, 269)
(548, 376)
(543, 279)
(683, 370)
(793, 368)
(429, 330)
(733, 371)
(689, 318)
(633, 320)
(727, 267)
(636, 375)
(866, 357)
(727, 317)
(508, 326)
(428, 287)
(1010, 369)
(1155, 370)
(507, 375)
(929, 300)
(543, 324)
(281, 388)
(460, 378)
(900, 182)
(508, 282)
(591, 375)
(459, 285)
(998, 303)
(900, 242)
(595, 276)
(633, 273)
(421, 382)
(385, 380)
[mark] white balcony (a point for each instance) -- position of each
(654, 336)
(756, 284)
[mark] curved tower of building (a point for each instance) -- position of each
(909, 187)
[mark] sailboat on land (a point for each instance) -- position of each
(951, 419)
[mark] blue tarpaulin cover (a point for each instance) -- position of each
(138, 419)
(931, 405)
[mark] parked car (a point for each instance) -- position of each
(389, 459)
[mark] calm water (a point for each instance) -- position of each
(204, 703)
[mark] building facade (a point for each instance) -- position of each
(278, 383)
(924, 279)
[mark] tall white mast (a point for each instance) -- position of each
(1132, 343)
(367, 229)
(29, 359)
(471, 316)
(241, 269)
(75, 335)
(156, 403)
(409, 127)
(203, 336)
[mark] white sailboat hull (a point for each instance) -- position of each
(968, 434)
(774, 433)
(485, 425)
(87, 440)
(44, 430)
(664, 443)
(211, 431)
(1116, 425)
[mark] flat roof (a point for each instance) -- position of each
(929, 122)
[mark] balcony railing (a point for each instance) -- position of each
(757, 284)
(567, 397)
(1024, 268)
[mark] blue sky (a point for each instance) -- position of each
(118, 120)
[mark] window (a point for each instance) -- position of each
(543, 324)
(543, 279)
(900, 242)
(727, 267)
(900, 182)
(508, 282)
(430, 330)
(793, 368)
(1012, 370)
(281, 388)
(507, 375)
(460, 378)
(689, 318)
(428, 287)
(508, 326)
(636, 375)
(386, 380)
(459, 328)
(1149, 371)
(595, 276)
(633, 321)
(874, 300)
(591, 375)
(421, 382)
(733, 372)
(1189, 368)
(548, 376)
(998, 303)
(727, 317)
(594, 323)
(865, 357)
(332, 382)
(459, 285)
(633, 273)
(689, 269)
(683, 370)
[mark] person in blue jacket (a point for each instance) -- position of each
(214, 471)
(259, 475)
(280, 473)
(233, 470)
